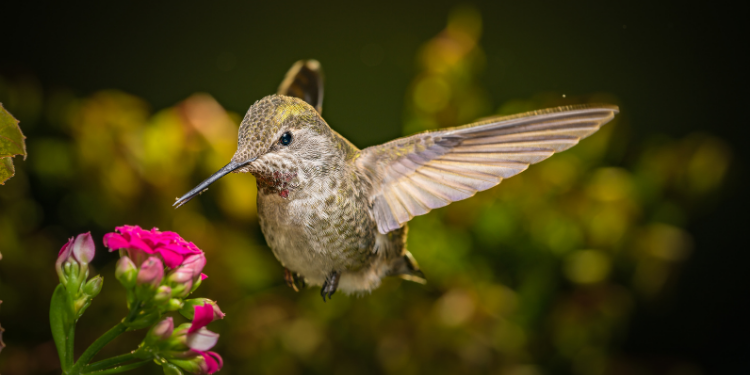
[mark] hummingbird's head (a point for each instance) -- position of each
(279, 134)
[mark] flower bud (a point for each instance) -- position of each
(61, 265)
(93, 286)
(170, 369)
(163, 293)
(151, 273)
(195, 264)
(192, 365)
(73, 259)
(160, 331)
(181, 280)
(126, 272)
(189, 308)
(198, 362)
(174, 304)
(84, 248)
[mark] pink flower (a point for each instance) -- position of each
(139, 243)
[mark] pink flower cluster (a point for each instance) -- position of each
(189, 345)
(150, 251)
(172, 248)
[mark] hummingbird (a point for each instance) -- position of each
(336, 216)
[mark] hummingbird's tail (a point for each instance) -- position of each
(406, 267)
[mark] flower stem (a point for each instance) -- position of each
(69, 344)
(115, 370)
(97, 346)
(109, 362)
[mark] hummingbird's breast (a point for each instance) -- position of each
(316, 223)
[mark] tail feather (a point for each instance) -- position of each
(406, 267)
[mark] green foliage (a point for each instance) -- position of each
(11, 144)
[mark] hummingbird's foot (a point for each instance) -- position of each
(293, 280)
(289, 278)
(330, 285)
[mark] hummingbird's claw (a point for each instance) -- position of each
(294, 280)
(330, 285)
(289, 279)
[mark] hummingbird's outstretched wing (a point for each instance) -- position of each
(304, 80)
(415, 174)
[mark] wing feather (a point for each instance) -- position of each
(412, 175)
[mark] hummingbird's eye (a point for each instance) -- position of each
(286, 139)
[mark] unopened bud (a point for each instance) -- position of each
(160, 331)
(83, 248)
(73, 259)
(174, 304)
(163, 293)
(170, 369)
(126, 272)
(60, 264)
(195, 264)
(152, 271)
(93, 286)
(180, 275)
(181, 280)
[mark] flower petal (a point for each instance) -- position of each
(203, 315)
(171, 259)
(65, 250)
(202, 339)
(114, 241)
(137, 243)
(218, 359)
(213, 361)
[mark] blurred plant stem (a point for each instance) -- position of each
(82, 367)
(119, 369)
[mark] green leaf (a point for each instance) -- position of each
(11, 144)
(57, 312)
(6, 169)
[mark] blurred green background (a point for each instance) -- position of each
(620, 256)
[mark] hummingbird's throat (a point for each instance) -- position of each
(277, 182)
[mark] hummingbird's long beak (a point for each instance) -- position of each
(204, 185)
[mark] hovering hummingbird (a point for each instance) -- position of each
(336, 216)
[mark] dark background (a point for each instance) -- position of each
(676, 67)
